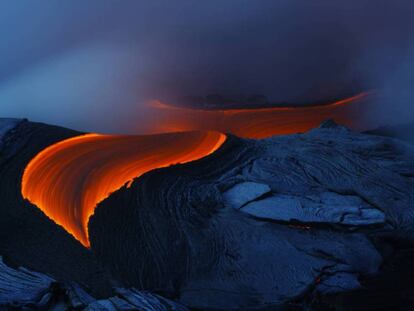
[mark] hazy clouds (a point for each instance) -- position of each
(92, 64)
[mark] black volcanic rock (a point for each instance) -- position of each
(324, 198)
(309, 221)
(401, 131)
(28, 290)
(330, 123)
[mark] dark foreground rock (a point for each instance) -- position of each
(24, 289)
(321, 220)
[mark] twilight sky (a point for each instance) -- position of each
(91, 65)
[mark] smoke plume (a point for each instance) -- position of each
(93, 65)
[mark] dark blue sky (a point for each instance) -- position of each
(91, 64)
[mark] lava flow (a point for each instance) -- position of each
(258, 122)
(68, 179)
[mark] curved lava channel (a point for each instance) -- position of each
(68, 179)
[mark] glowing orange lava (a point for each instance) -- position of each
(260, 122)
(68, 179)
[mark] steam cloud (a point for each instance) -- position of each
(92, 65)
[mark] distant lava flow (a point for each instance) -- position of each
(68, 179)
(258, 122)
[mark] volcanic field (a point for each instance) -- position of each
(220, 210)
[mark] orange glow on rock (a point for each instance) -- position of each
(258, 122)
(68, 179)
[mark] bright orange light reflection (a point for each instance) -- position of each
(68, 179)
(256, 123)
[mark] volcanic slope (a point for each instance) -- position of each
(256, 224)
(263, 223)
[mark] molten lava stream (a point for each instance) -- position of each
(259, 122)
(68, 179)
